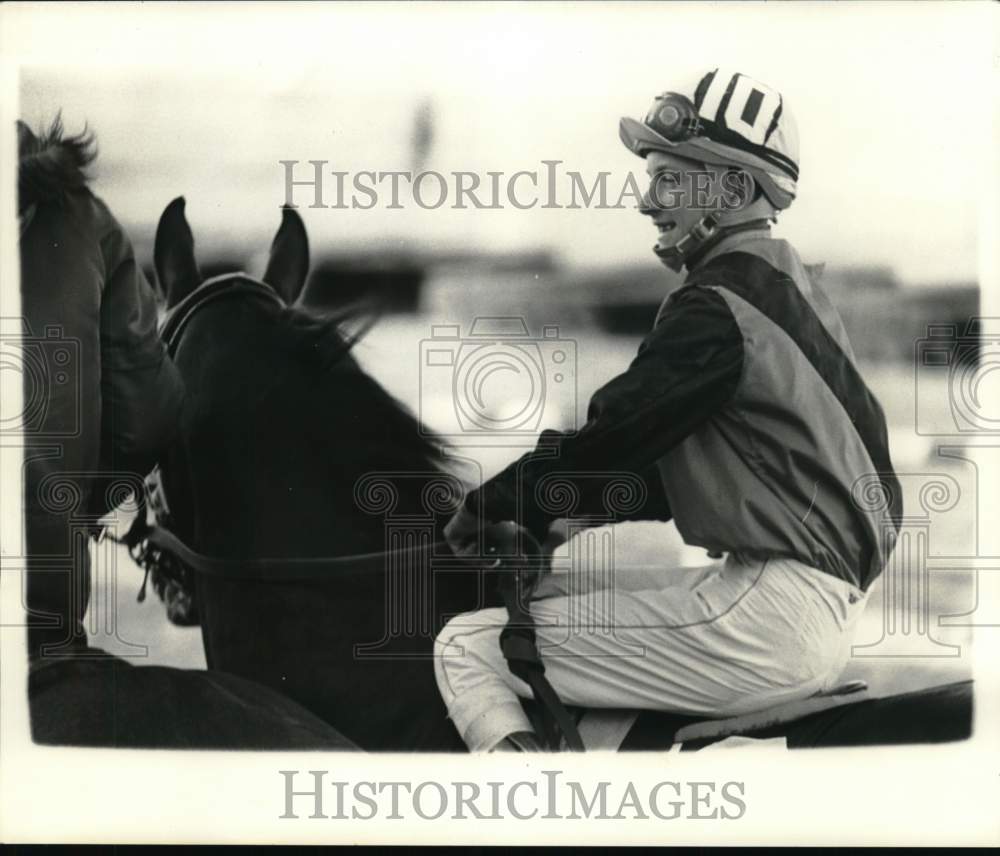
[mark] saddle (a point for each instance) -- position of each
(606, 730)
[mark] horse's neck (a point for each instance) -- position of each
(277, 452)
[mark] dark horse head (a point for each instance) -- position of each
(287, 448)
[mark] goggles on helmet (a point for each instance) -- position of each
(674, 118)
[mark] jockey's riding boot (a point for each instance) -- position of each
(519, 741)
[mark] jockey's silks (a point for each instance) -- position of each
(746, 419)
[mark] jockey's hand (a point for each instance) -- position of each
(462, 533)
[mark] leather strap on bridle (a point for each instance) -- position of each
(211, 290)
(144, 540)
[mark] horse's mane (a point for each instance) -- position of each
(51, 164)
(321, 340)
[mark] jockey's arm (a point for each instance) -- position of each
(591, 504)
(141, 389)
(686, 370)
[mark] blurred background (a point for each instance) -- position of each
(895, 136)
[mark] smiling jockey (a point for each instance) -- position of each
(748, 422)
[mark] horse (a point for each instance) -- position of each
(290, 454)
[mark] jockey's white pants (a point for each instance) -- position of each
(731, 638)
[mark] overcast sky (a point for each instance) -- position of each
(894, 106)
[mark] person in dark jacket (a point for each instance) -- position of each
(102, 402)
(101, 397)
(743, 418)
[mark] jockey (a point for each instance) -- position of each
(112, 398)
(743, 418)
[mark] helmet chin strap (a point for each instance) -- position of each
(703, 235)
(673, 257)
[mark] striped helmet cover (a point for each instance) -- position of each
(741, 122)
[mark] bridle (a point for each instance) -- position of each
(517, 575)
(210, 291)
(146, 543)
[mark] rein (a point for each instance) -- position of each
(142, 538)
(518, 641)
(147, 544)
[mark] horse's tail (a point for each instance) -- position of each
(52, 164)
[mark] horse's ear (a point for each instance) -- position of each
(288, 264)
(173, 254)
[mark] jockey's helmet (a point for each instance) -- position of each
(726, 119)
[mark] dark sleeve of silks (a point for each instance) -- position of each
(686, 370)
